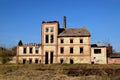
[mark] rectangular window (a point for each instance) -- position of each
(97, 51)
(52, 39)
(47, 29)
(62, 41)
(52, 29)
(30, 61)
(81, 50)
(30, 50)
(36, 50)
(46, 38)
(81, 40)
(61, 50)
(71, 40)
(71, 50)
(24, 50)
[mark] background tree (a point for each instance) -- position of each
(7, 54)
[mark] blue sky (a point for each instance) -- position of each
(21, 19)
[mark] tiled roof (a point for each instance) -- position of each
(74, 32)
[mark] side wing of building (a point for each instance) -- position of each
(28, 54)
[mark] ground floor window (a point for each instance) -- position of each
(24, 61)
(61, 61)
(30, 61)
(36, 61)
(71, 61)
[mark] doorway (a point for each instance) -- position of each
(46, 58)
(51, 57)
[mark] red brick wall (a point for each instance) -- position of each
(113, 60)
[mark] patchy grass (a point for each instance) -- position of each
(59, 72)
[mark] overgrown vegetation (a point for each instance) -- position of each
(59, 72)
(6, 54)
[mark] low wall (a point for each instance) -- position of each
(113, 60)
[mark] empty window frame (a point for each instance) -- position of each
(71, 61)
(46, 38)
(24, 50)
(81, 50)
(61, 61)
(36, 50)
(51, 29)
(24, 61)
(62, 41)
(46, 29)
(30, 61)
(52, 39)
(81, 40)
(31, 50)
(71, 40)
(97, 51)
(61, 50)
(36, 61)
(71, 49)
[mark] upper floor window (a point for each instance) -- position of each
(71, 50)
(36, 50)
(51, 38)
(81, 40)
(31, 50)
(62, 40)
(81, 50)
(51, 29)
(47, 29)
(61, 50)
(97, 51)
(24, 50)
(71, 40)
(46, 38)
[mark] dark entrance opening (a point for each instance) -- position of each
(46, 58)
(36, 61)
(71, 61)
(24, 61)
(30, 61)
(61, 61)
(51, 57)
(92, 62)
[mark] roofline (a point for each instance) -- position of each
(98, 47)
(49, 22)
(76, 36)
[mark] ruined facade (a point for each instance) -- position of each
(61, 45)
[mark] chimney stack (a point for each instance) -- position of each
(64, 23)
(98, 43)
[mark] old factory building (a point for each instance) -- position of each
(62, 45)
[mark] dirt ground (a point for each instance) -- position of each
(59, 72)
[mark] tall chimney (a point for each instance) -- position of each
(64, 23)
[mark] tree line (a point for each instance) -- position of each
(6, 55)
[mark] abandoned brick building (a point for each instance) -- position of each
(62, 45)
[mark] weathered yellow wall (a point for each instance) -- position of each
(99, 58)
(76, 55)
(28, 55)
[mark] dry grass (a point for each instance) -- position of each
(59, 72)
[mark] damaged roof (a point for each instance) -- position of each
(114, 55)
(75, 32)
